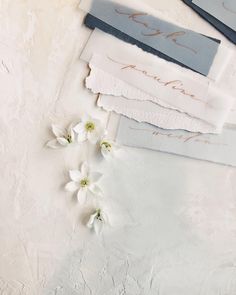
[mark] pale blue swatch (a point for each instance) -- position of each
(215, 148)
(224, 10)
(189, 48)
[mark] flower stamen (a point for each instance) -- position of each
(68, 138)
(107, 145)
(90, 126)
(84, 182)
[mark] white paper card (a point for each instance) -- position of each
(198, 98)
(130, 101)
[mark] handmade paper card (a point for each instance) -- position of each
(131, 101)
(214, 148)
(93, 22)
(200, 98)
(227, 31)
(187, 47)
(147, 111)
(224, 10)
(102, 43)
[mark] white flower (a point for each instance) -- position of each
(64, 137)
(88, 129)
(83, 181)
(97, 220)
(107, 147)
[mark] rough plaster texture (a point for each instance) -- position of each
(173, 219)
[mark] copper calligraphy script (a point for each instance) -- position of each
(137, 17)
(176, 85)
(196, 137)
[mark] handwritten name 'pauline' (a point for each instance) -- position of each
(175, 85)
(137, 17)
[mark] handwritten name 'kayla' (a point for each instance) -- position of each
(176, 85)
(155, 32)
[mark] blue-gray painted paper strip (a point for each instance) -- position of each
(228, 32)
(93, 22)
(224, 10)
(215, 148)
(189, 48)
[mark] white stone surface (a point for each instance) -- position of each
(180, 240)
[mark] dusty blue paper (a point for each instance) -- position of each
(228, 32)
(93, 22)
(190, 48)
(215, 148)
(224, 10)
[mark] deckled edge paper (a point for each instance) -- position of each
(228, 32)
(190, 48)
(213, 148)
(223, 10)
(134, 103)
(198, 98)
(102, 43)
(146, 111)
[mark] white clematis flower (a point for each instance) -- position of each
(83, 181)
(64, 137)
(107, 147)
(97, 220)
(88, 129)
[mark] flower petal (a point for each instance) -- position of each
(62, 141)
(105, 152)
(95, 189)
(75, 175)
(79, 128)
(81, 137)
(82, 196)
(53, 144)
(93, 137)
(86, 118)
(98, 226)
(105, 217)
(95, 176)
(84, 169)
(71, 132)
(58, 131)
(91, 220)
(71, 186)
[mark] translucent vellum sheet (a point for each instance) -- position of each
(176, 238)
(208, 147)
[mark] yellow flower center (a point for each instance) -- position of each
(69, 138)
(99, 216)
(90, 126)
(107, 145)
(84, 182)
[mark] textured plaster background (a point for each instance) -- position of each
(173, 219)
